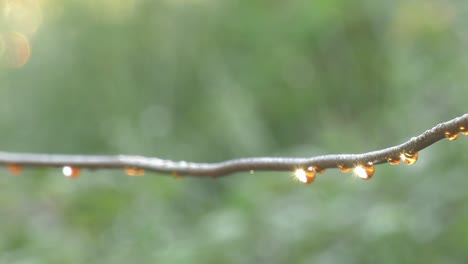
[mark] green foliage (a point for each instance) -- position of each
(211, 80)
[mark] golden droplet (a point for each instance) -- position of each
(451, 136)
(14, 169)
(132, 171)
(360, 172)
(463, 130)
(305, 176)
(177, 175)
(71, 172)
(394, 160)
(343, 168)
(409, 157)
(318, 169)
(365, 172)
(370, 169)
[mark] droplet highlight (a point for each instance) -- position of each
(132, 171)
(463, 130)
(394, 160)
(364, 172)
(305, 176)
(451, 136)
(14, 169)
(410, 157)
(71, 172)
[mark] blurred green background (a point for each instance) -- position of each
(205, 80)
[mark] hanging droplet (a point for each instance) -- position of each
(394, 160)
(71, 172)
(305, 176)
(251, 171)
(318, 169)
(463, 130)
(451, 136)
(409, 157)
(14, 169)
(343, 168)
(360, 172)
(132, 171)
(177, 175)
(364, 172)
(370, 169)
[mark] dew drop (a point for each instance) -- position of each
(343, 168)
(132, 171)
(451, 136)
(463, 130)
(365, 172)
(177, 176)
(394, 160)
(71, 172)
(305, 176)
(14, 169)
(252, 172)
(360, 172)
(370, 169)
(318, 169)
(409, 157)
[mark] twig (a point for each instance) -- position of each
(137, 164)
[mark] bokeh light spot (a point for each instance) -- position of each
(15, 50)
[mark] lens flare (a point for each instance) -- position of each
(360, 172)
(409, 157)
(364, 172)
(71, 172)
(15, 50)
(304, 176)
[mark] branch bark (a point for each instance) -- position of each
(407, 150)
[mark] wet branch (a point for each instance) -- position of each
(450, 129)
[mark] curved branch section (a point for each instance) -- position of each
(305, 167)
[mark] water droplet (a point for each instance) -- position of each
(343, 168)
(71, 172)
(132, 171)
(451, 136)
(463, 130)
(394, 160)
(370, 169)
(364, 172)
(409, 157)
(360, 172)
(177, 175)
(252, 171)
(318, 169)
(303, 176)
(14, 169)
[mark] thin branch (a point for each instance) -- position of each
(450, 129)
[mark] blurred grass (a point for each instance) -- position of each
(205, 81)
